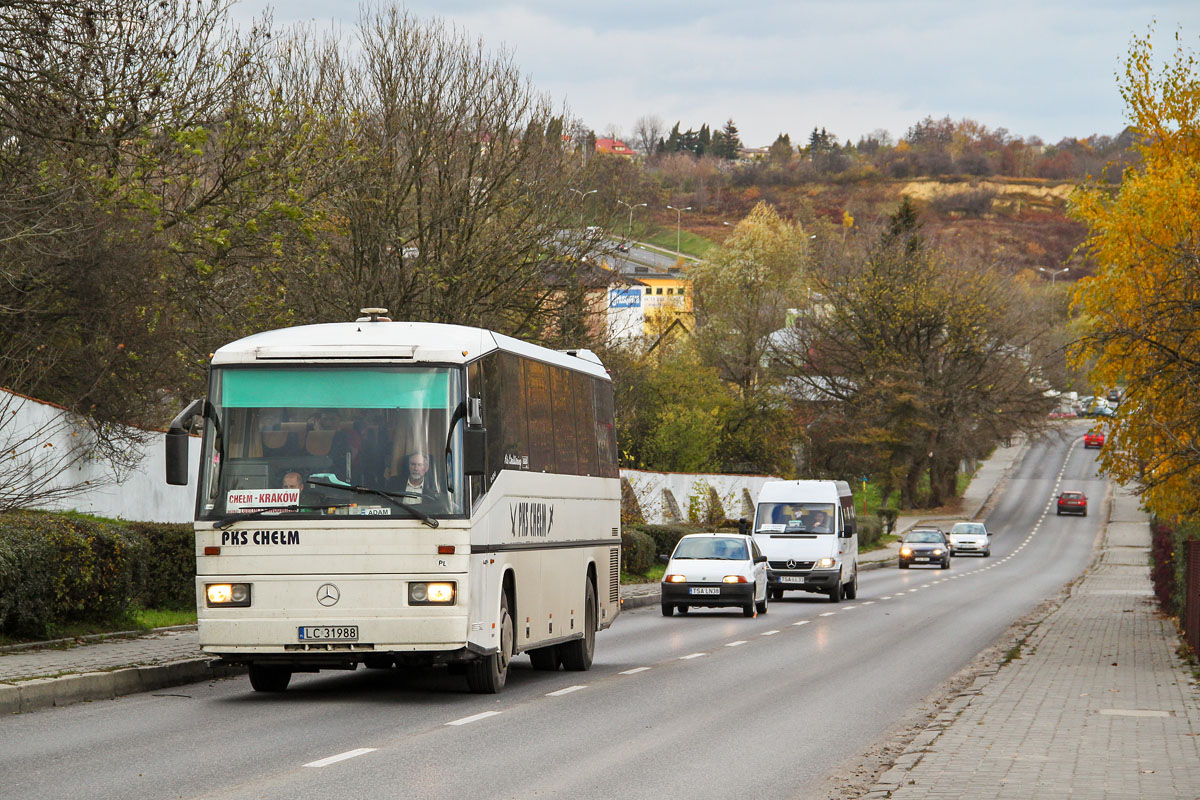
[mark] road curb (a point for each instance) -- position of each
(63, 690)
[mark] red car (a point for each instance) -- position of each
(1093, 439)
(1072, 503)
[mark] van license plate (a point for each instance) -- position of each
(328, 633)
(791, 579)
(705, 590)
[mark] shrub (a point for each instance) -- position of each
(887, 519)
(870, 531)
(164, 567)
(704, 505)
(637, 551)
(665, 537)
(1162, 569)
(64, 568)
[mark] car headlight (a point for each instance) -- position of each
(906, 551)
(825, 563)
(734, 579)
(937, 551)
(227, 595)
(674, 579)
(431, 594)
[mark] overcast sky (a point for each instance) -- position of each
(1038, 68)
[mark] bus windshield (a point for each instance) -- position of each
(284, 441)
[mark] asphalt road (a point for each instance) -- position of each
(700, 706)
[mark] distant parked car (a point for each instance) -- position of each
(715, 569)
(970, 537)
(1064, 412)
(1093, 439)
(925, 546)
(1072, 503)
(1114, 396)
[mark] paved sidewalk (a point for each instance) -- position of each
(1097, 706)
(39, 677)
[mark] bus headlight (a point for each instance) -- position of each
(227, 595)
(431, 594)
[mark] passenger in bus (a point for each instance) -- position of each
(417, 484)
(293, 480)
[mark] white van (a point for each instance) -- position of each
(809, 534)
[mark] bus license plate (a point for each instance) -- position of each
(328, 633)
(705, 590)
(791, 579)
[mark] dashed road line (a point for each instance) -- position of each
(735, 644)
(567, 690)
(633, 671)
(693, 655)
(473, 718)
(325, 762)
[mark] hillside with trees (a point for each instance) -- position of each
(169, 183)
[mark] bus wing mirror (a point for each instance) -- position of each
(474, 451)
(177, 443)
(475, 412)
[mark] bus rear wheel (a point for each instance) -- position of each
(487, 675)
(269, 679)
(577, 654)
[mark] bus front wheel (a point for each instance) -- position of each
(577, 653)
(269, 679)
(487, 675)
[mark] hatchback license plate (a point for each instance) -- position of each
(328, 633)
(791, 579)
(705, 590)
(920, 558)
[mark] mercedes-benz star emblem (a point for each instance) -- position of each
(328, 594)
(791, 564)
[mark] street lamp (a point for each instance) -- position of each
(582, 197)
(678, 222)
(1054, 273)
(629, 230)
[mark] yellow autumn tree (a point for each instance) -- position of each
(1142, 307)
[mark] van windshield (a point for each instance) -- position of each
(795, 517)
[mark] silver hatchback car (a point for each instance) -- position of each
(970, 537)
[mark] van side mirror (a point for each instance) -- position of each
(663, 558)
(743, 526)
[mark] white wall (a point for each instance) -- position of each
(48, 442)
(648, 486)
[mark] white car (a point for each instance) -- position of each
(715, 569)
(970, 537)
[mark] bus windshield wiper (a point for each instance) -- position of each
(391, 497)
(255, 513)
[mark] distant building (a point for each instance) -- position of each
(614, 146)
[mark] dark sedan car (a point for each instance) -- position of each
(925, 546)
(1072, 503)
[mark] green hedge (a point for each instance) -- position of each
(870, 531)
(57, 569)
(637, 551)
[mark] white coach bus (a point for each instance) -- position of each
(398, 493)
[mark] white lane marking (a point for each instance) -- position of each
(735, 644)
(848, 608)
(325, 762)
(693, 655)
(633, 671)
(889, 597)
(567, 690)
(828, 613)
(768, 633)
(473, 718)
(869, 602)
(801, 622)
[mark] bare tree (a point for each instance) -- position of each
(646, 132)
(457, 205)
